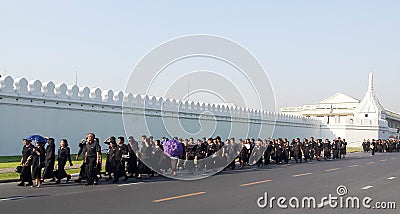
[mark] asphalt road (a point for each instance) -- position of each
(237, 191)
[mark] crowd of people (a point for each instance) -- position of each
(381, 146)
(147, 157)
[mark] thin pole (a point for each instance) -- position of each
(188, 90)
(76, 77)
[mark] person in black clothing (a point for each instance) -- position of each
(99, 165)
(133, 150)
(26, 174)
(231, 152)
(211, 149)
(49, 160)
(120, 152)
(244, 153)
(286, 151)
(218, 159)
(298, 150)
(82, 172)
(144, 157)
(373, 147)
(267, 152)
(92, 152)
(312, 148)
(201, 153)
(257, 153)
(191, 149)
(307, 150)
(336, 148)
(327, 149)
(278, 151)
(365, 146)
(318, 148)
(110, 158)
(38, 156)
(64, 155)
(158, 160)
(343, 148)
(182, 157)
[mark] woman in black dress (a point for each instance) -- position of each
(110, 159)
(26, 175)
(38, 155)
(133, 150)
(64, 155)
(145, 158)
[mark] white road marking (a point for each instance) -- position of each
(12, 198)
(178, 197)
(370, 163)
(383, 160)
(391, 178)
(299, 175)
(334, 169)
(354, 166)
(367, 187)
(393, 158)
(121, 185)
(256, 182)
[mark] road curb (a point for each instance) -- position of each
(9, 180)
(17, 179)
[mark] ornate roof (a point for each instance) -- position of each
(370, 103)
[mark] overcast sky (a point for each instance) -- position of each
(309, 49)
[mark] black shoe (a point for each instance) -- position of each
(68, 178)
(21, 184)
(77, 181)
(58, 182)
(29, 184)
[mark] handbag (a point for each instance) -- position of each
(18, 169)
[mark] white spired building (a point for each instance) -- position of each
(351, 118)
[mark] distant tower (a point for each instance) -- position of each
(371, 82)
(370, 107)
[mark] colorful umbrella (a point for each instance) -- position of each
(173, 148)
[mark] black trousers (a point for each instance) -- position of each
(91, 171)
(190, 163)
(120, 170)
(267, 158)
(232, 165)
(298, 156)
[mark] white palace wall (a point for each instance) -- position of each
(61, 111)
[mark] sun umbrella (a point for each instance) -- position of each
(36, 138)
(172, 148)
